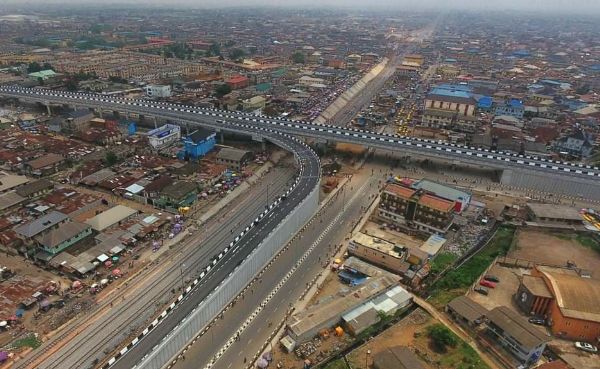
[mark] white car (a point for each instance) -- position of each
(586, 347)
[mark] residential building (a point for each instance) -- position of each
(466, 311)
(41, 225)
(578, 144)
(9, 182)
(379, 252)
(417, 209)
(110, 217)
(164, 136)
(397, 357)
(234, 159)
(198, 143)
(159, 91)
(35, 189)
(512, 108)
(44, 165)
(522, 339)
(254, 103)
(237, 82)
(78, 120)
(557, 214)
(43, 74)
(450, 108)
(179, 194)
(62, 237)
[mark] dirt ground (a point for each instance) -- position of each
(401, 334)
(574, 357)
(373, 229)
(547, 248)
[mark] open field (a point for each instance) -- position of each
(556, 248)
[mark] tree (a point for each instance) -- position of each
(298, 58)
(214, 49)
(111, 158)
(34, 67)
(47, 66)
(222, 90)
(40, 81)
(236, 54)
(441, 337)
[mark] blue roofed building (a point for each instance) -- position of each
(511, 107)
(485, 103)
(198, 144)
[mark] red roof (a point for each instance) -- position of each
(237, 79)
(436, 203)
(400, 191)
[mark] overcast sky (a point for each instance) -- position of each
(577, 6)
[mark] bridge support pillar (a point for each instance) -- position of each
(155, 120)
(506, 177)
(222, 137)
(48, 109)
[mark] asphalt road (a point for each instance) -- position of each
(308, 180)
(328, 228)
(107, 326)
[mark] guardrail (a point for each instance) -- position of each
(230, 287)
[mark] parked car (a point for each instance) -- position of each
(492, 278)
(482, 290)
(586, 347)
(486, 283)
(538, 321)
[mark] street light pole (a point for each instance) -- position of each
(367, 359)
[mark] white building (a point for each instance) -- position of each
(157, 90)
(164, 136)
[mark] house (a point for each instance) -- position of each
(254, 103)
(10, 182)
(110, 217)
(519, 337)
(466, 311)
(62, 237)
(237, 82)
(43, 74)
(78, 120)
(512, 107)
(164, 136)
(10, 200)
(233, 158)
(578, 144)
(198, 144)
(178, 194)
(44, 165)
(41, 225)
(157, 90)
(35, 189)
(397, 357)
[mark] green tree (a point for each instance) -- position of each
(214, 49)
(40, 81)
(34, 67)
(236, 54)
(111, 158)
(222, 90)
(47, 66)
(298, 58)
(441, 337)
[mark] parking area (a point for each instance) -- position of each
(573, 356)
(502, 295)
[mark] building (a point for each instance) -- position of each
(519, 337)
(110, 217)
(179, 194)
(164, 136)
(10, 182)
(43, 74)
(450, 108)
(466, 311)
(533, 296)
(62, 237)
(416, 209)
(78, 120)
(397, 357)
(512, 108)
(41, 225)
(35, 189)
(379, 252)
(305, 324)
(158, 91)
(573, 312)
(10, 200)
(578, 144)
(461, 199)
(199, 143)
(237, 82)
(234, 159)
(254, 103)
(367, 314)
(557, 214)
(44, 165)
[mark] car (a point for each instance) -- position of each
(486, 283)
(586, 347)
(491, 278)
(538, 321)
(482, 290)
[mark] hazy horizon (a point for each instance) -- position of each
(590, 7)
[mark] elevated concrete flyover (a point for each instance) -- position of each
(525, 171)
